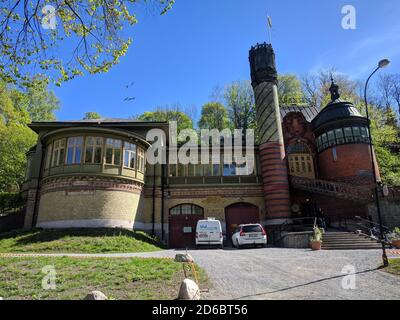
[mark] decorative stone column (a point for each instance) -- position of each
(269, 133)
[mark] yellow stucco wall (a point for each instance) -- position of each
(115, 208)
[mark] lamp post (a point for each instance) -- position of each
(383, 63)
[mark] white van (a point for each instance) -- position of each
(209, 232)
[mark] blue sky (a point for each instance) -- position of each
(179, 58)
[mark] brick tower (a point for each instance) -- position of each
(269, 132)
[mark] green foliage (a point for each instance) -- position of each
(91, 115)
(17, 109)
(239, 100)
(317, 236)
(214, 116)
(93, 34)
(289, 89)
(10, 201)
(165, 114)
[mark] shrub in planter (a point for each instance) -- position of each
(394, 238)
(316, 239)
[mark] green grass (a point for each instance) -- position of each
(77, 241)
(394, 266)
(117, 278)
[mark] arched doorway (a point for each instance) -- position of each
(240, 213)
(182, 225)
(300, 160)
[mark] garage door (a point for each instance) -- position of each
(240, 213)
(182, 225)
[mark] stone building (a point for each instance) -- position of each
(93, 173)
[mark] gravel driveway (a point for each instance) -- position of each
(275, 273)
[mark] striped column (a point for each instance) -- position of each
(272, 152)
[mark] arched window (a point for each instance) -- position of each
(300, 160)
(186, 209)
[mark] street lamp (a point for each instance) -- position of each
(383, 63)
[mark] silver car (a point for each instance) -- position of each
(249, 234)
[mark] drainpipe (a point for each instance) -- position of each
(153, 214)
(35, 207)
(162, 201)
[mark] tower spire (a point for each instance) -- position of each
(334, 90)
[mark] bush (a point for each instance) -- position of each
(10, 201)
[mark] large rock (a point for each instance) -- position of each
(183, 257)
(189, 290)
(96, 295)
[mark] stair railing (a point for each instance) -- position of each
(336, 189)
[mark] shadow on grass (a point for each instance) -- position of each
(47, 235)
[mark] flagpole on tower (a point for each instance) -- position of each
(269, 24)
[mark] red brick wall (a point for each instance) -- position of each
(351, 159)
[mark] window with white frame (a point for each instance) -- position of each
(129, 155)
(113, 151)
(74, 150)
(94, 149)
(58, 157)
(141, 160)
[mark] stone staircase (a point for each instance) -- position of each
(335, 189)
(348, 241)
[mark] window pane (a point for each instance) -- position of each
(181, 170)
(199, 170)
(207, 169)
(117, 157)
(70, 154)
(126, 158)
(78, 152)
(132, 161)
(227, 170)
(172, 170)
(97, 155)
(88, 154)
(186, 209)
(215, 169)
(109, 153)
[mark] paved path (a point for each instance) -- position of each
(275, 273)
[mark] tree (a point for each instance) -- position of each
(91, 115)
(37, 100)
(15, 138)
(93, 31)
(168, 114)
(289, 89)
(316, 87)
(214, 116)
(239, 100)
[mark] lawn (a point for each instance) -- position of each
(394, 266)
(118, 278)
(78, 241)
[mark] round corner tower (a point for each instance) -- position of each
(343, 143)
(264, 79)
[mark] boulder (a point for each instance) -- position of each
(96, 295)
(189, 290)
(183, 257)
